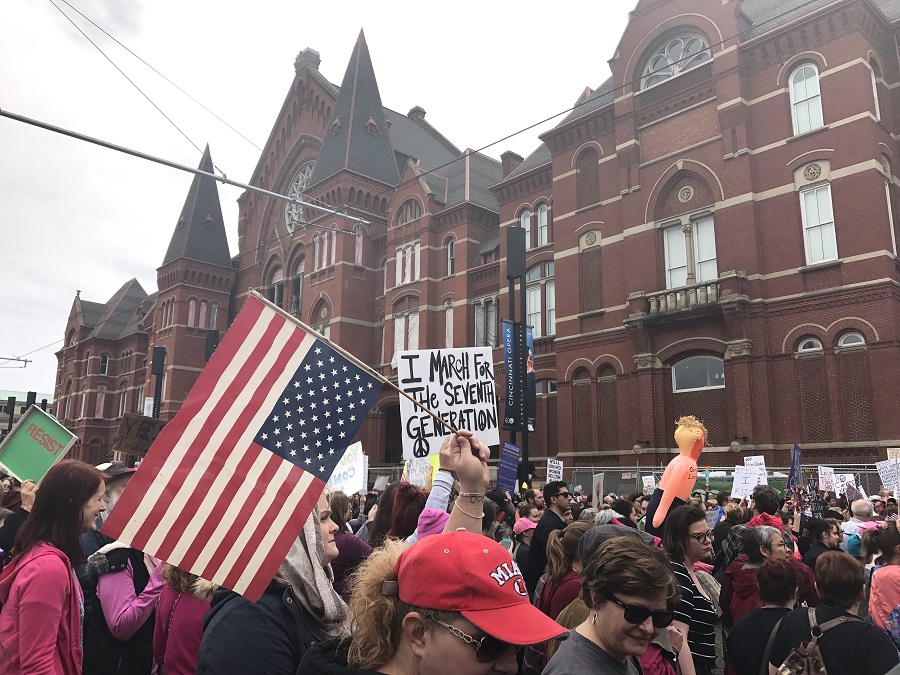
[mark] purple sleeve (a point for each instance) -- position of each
(124, 612)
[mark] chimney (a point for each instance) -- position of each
(307, 56)
(510, 162)
(416, 113)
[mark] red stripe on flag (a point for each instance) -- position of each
(293, 528)
(231, 463)
(251, 545)
(130, 500)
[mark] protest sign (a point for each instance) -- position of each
(759, 462)
(713, 516)
(137, 433)
(148, 406)
(889, 474)
(745, 479)
(509, 467)
(793, 480)
(349, 475)
(365, 485)
(893, 453)
(826, 478)
(649, 483)
(598, 489)
(458, 386)
(841, 480)
(36, 442)
(554, 470)
(852, 492)
(380, 483)
(417, 469)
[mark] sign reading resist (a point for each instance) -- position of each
(458, 386)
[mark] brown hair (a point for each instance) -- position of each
(562, 549)
(734, 511)
(881, 542)
(378, 530)
(178, 579)
(839, 579)
(339, 503)
(777, 581)
(628, 566)
(409, 502)
(676, 527)
(58, 506)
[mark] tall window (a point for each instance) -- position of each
(818, 224)
(406, 263)
(204, 309)
(214, 315)
(317, 245)
(698, 372)
(104, 364)
(275, 289)
(358, 246)
(84, 397)
(806, 99)
(448, 325)
(486, 323)
(543, 228)
(587, 179)
(674, 57)
(382, 277)
(123, 400)
(101, 402)
(451, 256)
(192, 312)
(873, 71)
(540, 299)
(297, 286)
(525, 222)
(409, 211)
(333, 251)
(690, 252)
(406, 325)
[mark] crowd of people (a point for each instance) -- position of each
(460, 578)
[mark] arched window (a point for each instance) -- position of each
(674, 57)
(587, 178)
(448, 325)
(104, 364)
(204, 308)
(123, 399)
(382, 277)
(297, 286)
(316, 247)
(451, 256)
(809, 344)
(873, 71)
(851, 338)
(525, 222)
(68, 401)
(213, 316)
(293, 213)
(333, 250)
(410, 210)
(543, 228)
(192, 312)
(698, 372)
(84, 397)
(70, 341)
(87, 363)
(358, 246)
(101, 402)
(540, 299)
(275, 287)
(406, 325)
(321, 319)
(485, 322)
(806, 99)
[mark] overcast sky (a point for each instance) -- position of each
(77, 216)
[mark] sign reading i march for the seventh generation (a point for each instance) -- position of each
(458, 386)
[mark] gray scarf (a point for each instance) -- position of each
(312, 582)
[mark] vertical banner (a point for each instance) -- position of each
(511, 418)
(509, 468)
(794, 475)
(554, 469)
(530, 383)
(458, 386)
(598, 489)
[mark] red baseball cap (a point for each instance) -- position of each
(475, 576)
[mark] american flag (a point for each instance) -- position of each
(229, 482)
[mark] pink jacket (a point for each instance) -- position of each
(40, 623)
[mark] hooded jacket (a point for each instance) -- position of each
(330, 658)
(40, 619)
(740, 594)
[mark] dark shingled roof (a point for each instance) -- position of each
(539, 157)
(761, 16)
(200, 232)
(90, 312)
(603, 95)
(120, 313)
(478, 173)
(491, 241)
(351, 146)
(417, 139)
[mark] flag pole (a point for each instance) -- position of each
(347, 355)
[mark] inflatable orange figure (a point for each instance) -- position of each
(681, 474)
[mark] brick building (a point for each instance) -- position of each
(710, 232)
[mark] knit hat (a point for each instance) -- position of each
(523, 525)
(475, 576)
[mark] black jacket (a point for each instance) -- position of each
(105, 654)
(269, 636)
(816, 549)
(9, 530)
(330, 658)
(537, 554)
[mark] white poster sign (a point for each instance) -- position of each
(841, 480)
(649, 483)
(349, 475)
(746, 478)
(759, 462)
(419, 468)
(554, 469)
(893, 453)
(365, 485)
(889, 471)
(458, 386)
(148, 406)
(826, 478)
(598, 489)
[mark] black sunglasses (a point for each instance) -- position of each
(562, 494)
(639, 614)
(487, 649)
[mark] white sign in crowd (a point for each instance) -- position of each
(554, 470)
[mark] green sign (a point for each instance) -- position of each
(36, 443)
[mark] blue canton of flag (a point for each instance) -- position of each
(319, 412)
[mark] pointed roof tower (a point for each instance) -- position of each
(200, 232)
(357, 138)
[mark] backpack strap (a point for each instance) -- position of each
(816, 630)
(765, 662)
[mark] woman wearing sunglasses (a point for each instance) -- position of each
(631, 594)
(451, 603)
(688, 540)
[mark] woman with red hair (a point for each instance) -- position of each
(409, 502)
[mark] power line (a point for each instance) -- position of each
(342, 212)
(126, 48)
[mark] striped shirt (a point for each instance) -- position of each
(700, 616)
